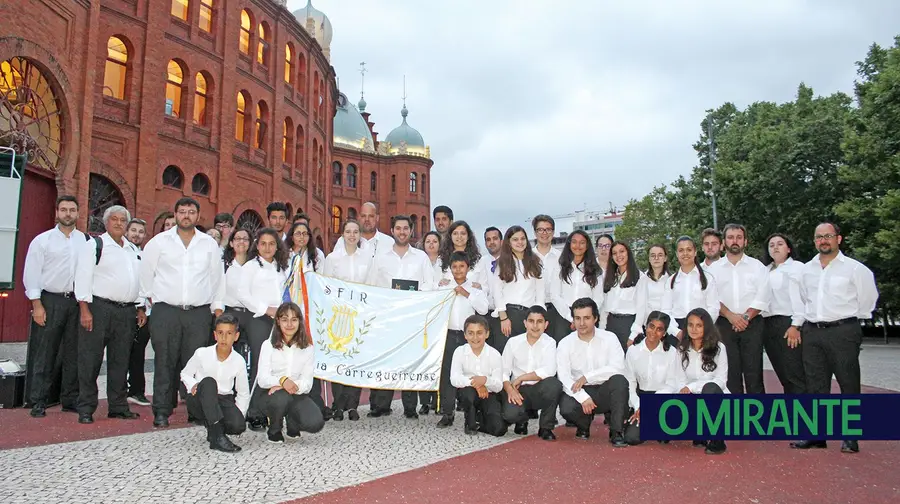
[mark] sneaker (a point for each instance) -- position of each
(276, 437)
(139, 399)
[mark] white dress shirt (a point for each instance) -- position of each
(706, 267)
(627, 301)
(233, 285)
(115, 277)
(688, 294)
(655, 290)
(521, 291)
(843, 289)
(550, 261)
(379, 244)
(183, 276)
(414, 265)
(50, 262)
(564, 294)
(230, 374)
(464, 307)
(650, 370)
(521, 358)
(296, 363)
(743, 285)
(350, 268)
(262, 285)
(478, 273)
(784, 291)
(466, 365)
(320, 260)
(694, 377)
(597, 360)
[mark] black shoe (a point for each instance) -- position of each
(570, 424)
(386, 412)
(584, 434)
(139, 399)
(424, 409)
(446, 421)
(411, 414)
(257, 424)
(338, 415)
(85, 418)
(223, 444)
(715, 447)
(38, 411)
(698, 444)
(532, 414)
(521, 428)
(276, 437)
(69, 409)
(375, 413)
(546, 435)
(327, 413)
(471, 431)
(161, 421)
(805, 445)
(194, 420)
(618, 440)
(123, 415)
(353, 415)
(293, 435)
(850, 446)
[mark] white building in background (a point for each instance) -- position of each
(592, 222)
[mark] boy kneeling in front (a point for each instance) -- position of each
(217, 379)
(476, 371)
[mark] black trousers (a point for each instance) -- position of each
(493, 328)
(611, 398)
(559, 327)
(543, 396)
(381, 399)
(620, 325)
(346, 397)
(633, 430)
(137, 383)
(315, 393)
(210, 407)
(113, 330)
(300, 410)
(257, 330)
(176, 334)
(490, 411)
(53, 353)
(517, 315)
(832, 351)
(787, 362)
(455, 339)
(745, 362)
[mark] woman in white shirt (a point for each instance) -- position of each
(431, 244)
(690, 287)
(782, 318)
(351, 265)
(460, 238)
(579, 276)
(516, 285)
(286, 366)
(234, 257)
(261, 288)
(703, 365)
(657, 274)
(625, 288)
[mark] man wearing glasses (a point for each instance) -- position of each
(837, 292)
(544, 227)
(224, 222)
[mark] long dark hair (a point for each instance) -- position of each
(665, 268)
(311, 252)
(589, 262)
(659, 317)
(703, 281)
(228, 254)
(300, 338)
(281, 253)
(632, 273)
(710, 347)
(767, 259)
(507, 261)
(446, 247)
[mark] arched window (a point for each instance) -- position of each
(288, 62)
(315, 94)
(351, 176)
(351, 214)
(412, 182)
(30, 112)
(393, 183)
(373, 182)
(413, 220)
(180, 9)
(116, 71)
(300, 152)
(246, 31)
(174, 88)
(240, 124)
(200, 184)
(262, 51)
(424, 189)
(301, 76)
(335, 219)
(424, 224)
(201, 101)
(102, 194)
(172, 177)
(249, 220)
(206, 15)
(287, 141)
(337, 174)
(262, 116)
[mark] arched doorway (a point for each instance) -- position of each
(102, 194)
(249, 220)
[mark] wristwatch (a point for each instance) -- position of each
(746, 317)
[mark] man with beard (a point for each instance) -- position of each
(183, 277)
(711, 240)
(743, 285)
(137, 231)
(49, 279)
(493, 239)
(277, 213)
(405, 267)
(838, 292)
(377, 242)
(442, 216)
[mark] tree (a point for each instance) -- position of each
(648, 221)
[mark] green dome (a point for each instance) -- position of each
(406, 138)
(350, 129)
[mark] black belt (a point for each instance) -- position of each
(620, 315)
(114, 303)
(516, 307)
(835, 323)
(185, 307)
(66, 295)
(237, 309)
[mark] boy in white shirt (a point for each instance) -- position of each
(477, 372)
(219, 388)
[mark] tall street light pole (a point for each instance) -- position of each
(712, 161)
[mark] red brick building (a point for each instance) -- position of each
(141, 102)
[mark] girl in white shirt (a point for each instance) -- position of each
(286, 367)
(690, 287)
(261, 288)
(579, 276)
(431, 244)
(702, 365)
(460, 238)
(781, 332)
(234, 256)
(516, 285)
(626, 295)
(657, 274)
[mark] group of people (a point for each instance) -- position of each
(583, 329)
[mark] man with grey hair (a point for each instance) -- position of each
(107, 285)
(376, 241)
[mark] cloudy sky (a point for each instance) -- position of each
(551, 107)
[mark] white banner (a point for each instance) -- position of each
(377, 338)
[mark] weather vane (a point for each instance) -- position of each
(404, 90)
(362, 72)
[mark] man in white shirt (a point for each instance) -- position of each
(711, 241)
(182, 276)
(838, 292)
(477, 372)
(136, 234)
(590, 364)
(544, 227)
(743, 286)
(442, 217)
(49, 277)
(493, 240)
(406, 268)
(107, 284)
(529, 376)
(219, 391)
(277, 215)
(377, 242)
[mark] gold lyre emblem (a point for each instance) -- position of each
(341, 328)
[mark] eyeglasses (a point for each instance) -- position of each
(300, 234)
(604, 246)
(828, 236)
(544, 230)
(247, 240)
(223, 225)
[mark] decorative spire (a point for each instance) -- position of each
(404, 112)
(362, 89)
